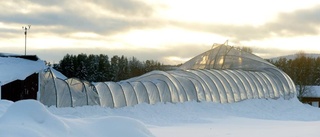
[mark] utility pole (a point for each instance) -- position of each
(25, 28)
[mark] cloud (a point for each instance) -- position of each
(298, 23)
(122, 7)
(69, 16)
(9, 33)
(235, 32)
(109, 17)
(126, 7)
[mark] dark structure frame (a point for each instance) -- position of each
(21, 89)
(309, 100)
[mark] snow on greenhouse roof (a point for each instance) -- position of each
(58, 74)
(14, 67)
(223, 56)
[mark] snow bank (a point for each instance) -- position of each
(108, 126)
(4, 104)
(194, 112)
(31, 118)
(256, 117)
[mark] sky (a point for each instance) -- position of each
(167, 31)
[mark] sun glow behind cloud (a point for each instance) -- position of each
(166, 37)
(229, 11)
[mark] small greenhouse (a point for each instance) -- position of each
(223, 74)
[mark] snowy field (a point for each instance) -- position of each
(250, 118)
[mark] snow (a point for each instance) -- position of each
(58, 74)
(29, 118)
(257, 117)
(313, 91)
(13, 68)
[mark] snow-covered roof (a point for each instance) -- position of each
(58, 74)
(312, 91)
(14, 68)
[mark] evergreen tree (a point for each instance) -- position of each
(98, 68)
(92, 66)
(135, 67)
(103, 71)
(123, 68)
(81, 68)
(114, 69)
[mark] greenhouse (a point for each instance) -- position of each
(223, 74)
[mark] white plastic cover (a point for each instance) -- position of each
(222, 75)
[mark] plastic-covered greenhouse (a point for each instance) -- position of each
(223, 74)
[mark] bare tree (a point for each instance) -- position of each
(303, 70)
(303, 74)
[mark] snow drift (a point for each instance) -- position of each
(32, 119)
(249, 118)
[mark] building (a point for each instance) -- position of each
(19, 76)
(312, 96)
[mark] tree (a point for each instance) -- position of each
(104, 71)
(92, 66)
(99, 68)
(81, 67)
(135, 67)
(303, 70)
(302, 73)
(152, 65)
(317, 71)
(123, 68)
(114, 68)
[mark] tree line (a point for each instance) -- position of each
(99, 68)
(303, 70)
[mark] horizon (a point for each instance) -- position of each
(57, 62)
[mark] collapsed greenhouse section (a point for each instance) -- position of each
(223, 74)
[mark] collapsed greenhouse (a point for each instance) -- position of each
(223, 74)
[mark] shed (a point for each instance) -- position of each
(312, 96)
(19, 76)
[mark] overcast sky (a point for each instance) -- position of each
(169, 31)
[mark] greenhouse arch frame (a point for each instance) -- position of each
(223, 74)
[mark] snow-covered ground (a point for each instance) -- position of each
(250, 118)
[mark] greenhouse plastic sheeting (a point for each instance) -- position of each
(222, 75)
